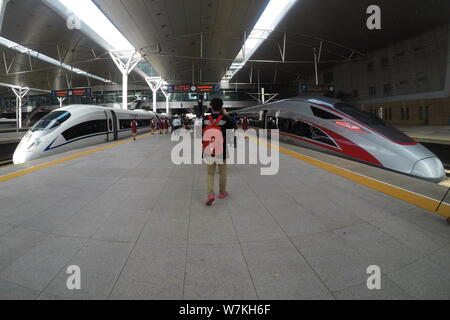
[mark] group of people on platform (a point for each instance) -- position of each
(218, 121)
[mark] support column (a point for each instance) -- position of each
(263, 96)
(315, 66)
(125, 67)
(61, 100)
(155, 84)
(20, 94)
(167, 95)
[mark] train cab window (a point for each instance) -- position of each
(324, 114)
(375, 123)
(286, 125)
(85, 129)
(51, 121)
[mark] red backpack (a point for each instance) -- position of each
(210, 135)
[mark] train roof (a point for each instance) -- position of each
(92, 107)
(331, 102)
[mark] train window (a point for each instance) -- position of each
(284, 124)
(51, 121)
(302, 129)
(362, 116)
(324, 114)
(125, 124)
(110, 125)
(319, 135)
(375, 123)
(84, 129)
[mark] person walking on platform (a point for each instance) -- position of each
(216, 123)
(161, 125)
(166, 126)
(152, 126)
(134, 126)
(245, 126)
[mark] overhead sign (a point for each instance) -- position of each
(193, 88)
(86, 92)
(309, 88)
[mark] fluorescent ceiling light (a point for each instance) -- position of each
(94, 18)
(271, 17)
(37, 55)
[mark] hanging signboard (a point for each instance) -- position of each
(84, 92)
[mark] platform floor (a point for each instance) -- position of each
(137, 227)
(428, 134)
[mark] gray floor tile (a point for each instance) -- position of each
(389, 291)
(37, 268)
(378, 247)
(16, 243)
(336, 263)
(100, 264)
(153, 271)
(255, 224)
(217, 272)
(280, 272)
(423, 280)
(12, 291)
(297, 221)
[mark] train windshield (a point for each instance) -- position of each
(51, 121)
(375, 123)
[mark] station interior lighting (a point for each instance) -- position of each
(269, 20)
(95, 19)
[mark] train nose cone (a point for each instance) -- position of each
(19, 157)
(430, 169)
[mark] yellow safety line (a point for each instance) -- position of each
(397, 192)
(62, 160)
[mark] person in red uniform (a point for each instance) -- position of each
(152, 126)
(134, 126)
(166, 125)
(245, 126)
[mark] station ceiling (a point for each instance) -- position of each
(199, 39)
(32, 24)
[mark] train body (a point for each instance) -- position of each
(78, 126)
(335, 127)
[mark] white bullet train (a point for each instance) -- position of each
(78, 126)
(333, 126)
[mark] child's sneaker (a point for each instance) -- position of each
(223, 195)
(211, 199)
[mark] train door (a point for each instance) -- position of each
(112, 125)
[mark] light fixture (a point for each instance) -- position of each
(93, 17)
(271, 17)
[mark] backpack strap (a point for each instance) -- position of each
(219, 118)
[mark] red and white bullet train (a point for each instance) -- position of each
(333, 126)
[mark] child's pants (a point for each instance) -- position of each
(223, 177)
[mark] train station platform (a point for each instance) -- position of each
(137, 227)
(428, 134)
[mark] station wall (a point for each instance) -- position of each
(409, 80)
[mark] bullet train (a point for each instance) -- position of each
(78, 126)
(335, 127)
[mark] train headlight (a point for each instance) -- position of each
(34, 145)
(350, 126)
